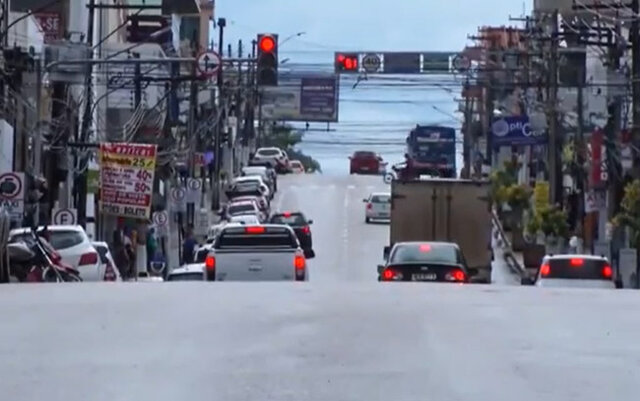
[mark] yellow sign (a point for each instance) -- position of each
(541, 195)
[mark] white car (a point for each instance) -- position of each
(261, 172)
(275, 156)
(110, 271)
(191, 272)
(264, 188)
(296, 167)
(577, 271)
(75, 248)
(243, 208)
(378, 206)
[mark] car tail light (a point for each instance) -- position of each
(210, 263)
(456, 275)
(306, 230)
(607, 271)
(89, 258)
(425, 248)
(300, 264)
(577, 262)
(545, 270)
(254, 230)
(109, 273)
(286, 214)
(391, 275)
(369, 206)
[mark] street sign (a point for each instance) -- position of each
(65, 216)
(402, 63)
(178, 199)
(194, 190)
(161, 221)
(371, 63)
(461, 63)
(12, 194)
(201, 225)
(436, 62)
(208, 63)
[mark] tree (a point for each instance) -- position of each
(286, 137)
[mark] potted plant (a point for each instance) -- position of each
(501, 181)
(518, 198)
(554, 226)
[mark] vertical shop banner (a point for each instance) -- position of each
(126, 179)
(599, 172)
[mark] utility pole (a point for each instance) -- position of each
(617, 183)
(635, 76)
(554, 167)
(37, 143)
(219, 126)
(137, 74)
(80, 183)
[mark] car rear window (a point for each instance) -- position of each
(102, 251)
(243, 237)
(59, 239)
(577, 268)
(186, 277)
(426, 253)
(294, 219)
(241, 208)
(201, 255)
(246, 186)
(364, 155)
(269, 152)
(381, 199)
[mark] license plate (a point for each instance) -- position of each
(424, 277)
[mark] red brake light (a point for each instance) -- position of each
(459, 275)
(210, 263)
(545, 270)
(607, 271)
(388, 274)
(286, 214)
(425, 248)
(299, 262)
(306, 230)
(90, 258)
(369, 205)
(254, 230)
(577, 262)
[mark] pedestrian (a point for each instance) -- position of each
(152, 246)
(188, 246)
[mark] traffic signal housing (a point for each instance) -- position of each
(346, 63)
(267, 63)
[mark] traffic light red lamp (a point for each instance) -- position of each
(346, 62)
(267, 63)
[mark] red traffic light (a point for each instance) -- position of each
(267, 44)
(346, 62)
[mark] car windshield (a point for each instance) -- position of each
(425, 253)
(293, 219)
(240, 208)
(577, 268)
(381, 199)
(186, 277)
(364, 155)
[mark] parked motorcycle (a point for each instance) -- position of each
(33, 259)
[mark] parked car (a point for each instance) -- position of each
(365, 162)
(110, 271)
(277, 157)
(296, 167)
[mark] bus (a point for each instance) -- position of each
(432, 150)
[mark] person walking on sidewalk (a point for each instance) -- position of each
(188, 246)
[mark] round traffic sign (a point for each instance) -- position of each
(160, 218)
(208, 63)
(195, 184)
(10, 185)
(371, 63)
(178, 194)
(64, 217)
(461, 63)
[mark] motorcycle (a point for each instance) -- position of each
(33, 259)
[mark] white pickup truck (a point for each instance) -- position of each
(267, 252)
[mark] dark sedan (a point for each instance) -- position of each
(301, 226)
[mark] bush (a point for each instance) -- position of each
(630, 214)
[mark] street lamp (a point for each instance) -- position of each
(295, 35)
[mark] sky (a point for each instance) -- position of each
(372, 116)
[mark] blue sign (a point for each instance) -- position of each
(515, 130)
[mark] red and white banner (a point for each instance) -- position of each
(126, 179)
(599, 172)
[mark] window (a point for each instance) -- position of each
(201, 255)
(381, 199)
(364, 155)
(269, 152)
(577, 268)
(190, 29)
(102, 251)
(274, 239)
(295, 219)
(241, 208)
(426, 253)
(58, 239)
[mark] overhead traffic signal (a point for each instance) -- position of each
(267, 63)
(346, 62)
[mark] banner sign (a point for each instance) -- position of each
(312, 98)
(515, 131)
(599, 172)
(126, 179)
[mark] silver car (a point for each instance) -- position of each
(378, 206)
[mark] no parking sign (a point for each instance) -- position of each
(65, 216)
(194, 190)
(161, 221)
(178, 197)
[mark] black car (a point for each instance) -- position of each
(300, 225)
(425, 261)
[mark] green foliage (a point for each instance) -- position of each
(630, 214)
(501, 180)
(518, 196)
(551, 220)
(285, 137)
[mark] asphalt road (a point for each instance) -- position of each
(340, 336)
(348, 249)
